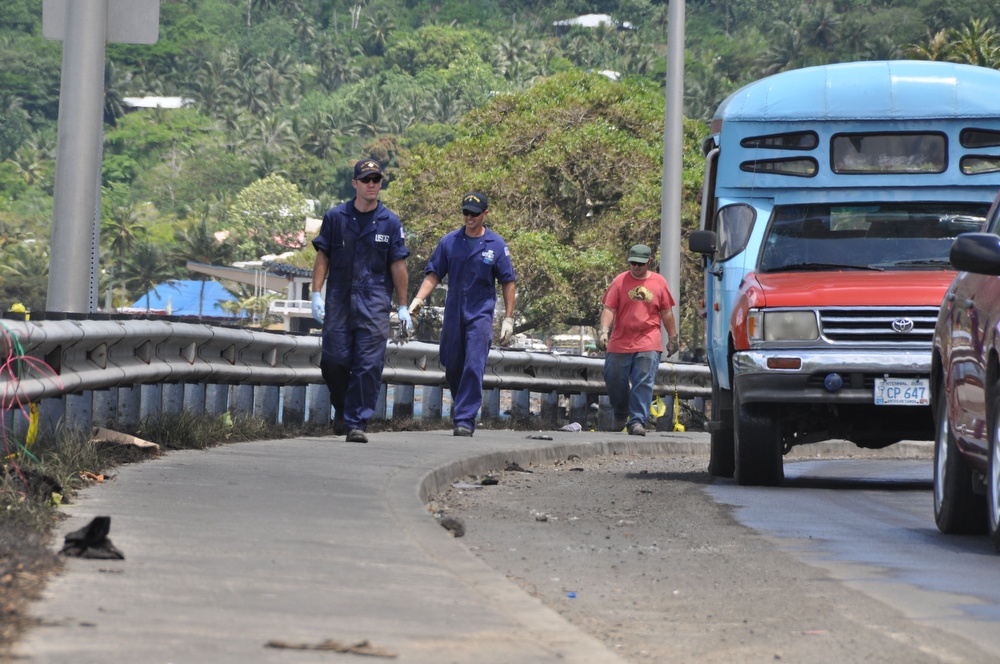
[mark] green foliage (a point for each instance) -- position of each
(302, 89)
(267, 217)
(435, 47)
(572, 168)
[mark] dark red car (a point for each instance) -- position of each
(965, 375)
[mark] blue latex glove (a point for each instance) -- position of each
(318, 307)
(405, 321)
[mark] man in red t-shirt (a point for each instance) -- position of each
(637, 302)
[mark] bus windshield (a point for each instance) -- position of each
(913, 235)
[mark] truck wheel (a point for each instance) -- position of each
(722, 460)
(957, 509)
(757, 443)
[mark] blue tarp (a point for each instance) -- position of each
(180, 298)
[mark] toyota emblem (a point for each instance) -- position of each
(902, 325)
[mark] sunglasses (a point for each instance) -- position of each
(637, 264)
(371, 178)
(470, 213)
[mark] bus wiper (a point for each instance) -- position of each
(805, 267)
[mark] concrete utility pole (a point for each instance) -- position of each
(673, 151)
(84, 26)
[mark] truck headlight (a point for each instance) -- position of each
(782, 326)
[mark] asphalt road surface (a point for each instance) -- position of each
(664, 563)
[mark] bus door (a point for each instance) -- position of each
(733, 222)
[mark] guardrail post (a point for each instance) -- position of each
(173, 399)
(402, 402)
(578, 410)
(605, 414)
(265, 403)
(151, 400)
(520, 404)
(50, 414)
(129, 403)
(490, 408)
(14, 424)
(666, 423)
(293, 408)
(379, 413)
(194, 398)
(431, 407)
(216, 399)
(242, 399)
(105, 408)
(79, 411)
(550, 407)
(319, 404)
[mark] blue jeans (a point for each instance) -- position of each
(630, 378)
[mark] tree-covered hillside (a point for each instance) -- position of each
(284, 95)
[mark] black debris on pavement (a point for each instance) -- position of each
(92, 541)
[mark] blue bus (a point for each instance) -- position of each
(832, 195)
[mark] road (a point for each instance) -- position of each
(870, 524)
(664, 563)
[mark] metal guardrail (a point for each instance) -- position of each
(98, 354)
(109, 373)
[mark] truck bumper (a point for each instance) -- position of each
(757, 381)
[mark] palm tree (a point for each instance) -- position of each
(35, 164)
(145, 268)
(318, 135)
(25, 266)
(122, 229)
(977, 43)
(115, 83)
(379, 26)
(938, 47)
(197, 243)
(369, 113)
(274, 134)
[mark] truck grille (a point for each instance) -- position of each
(888, 325)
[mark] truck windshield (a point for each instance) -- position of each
(880, 236)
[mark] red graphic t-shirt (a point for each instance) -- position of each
(637, 304)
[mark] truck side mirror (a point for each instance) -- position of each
(702, 242)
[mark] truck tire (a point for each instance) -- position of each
(757, 444)
(722, 454)
(957, 509)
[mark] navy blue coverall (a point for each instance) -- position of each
(361, 247)
(473, 267)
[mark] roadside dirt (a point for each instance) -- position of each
(633, 551)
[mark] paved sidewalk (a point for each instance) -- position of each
(301, 541)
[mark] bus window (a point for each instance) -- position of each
(976, 164)
(733, 224)
(805, 167)
(889, 153)
(803, 140)
(979, 138)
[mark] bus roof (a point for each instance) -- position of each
(883, 90)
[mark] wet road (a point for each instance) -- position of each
(870, 523)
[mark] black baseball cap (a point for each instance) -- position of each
(475, 202)
(367, 167)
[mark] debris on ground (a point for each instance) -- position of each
(110, 437)
(92, 541)
(359, 648)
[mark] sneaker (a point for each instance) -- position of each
(636, 429)
(462, 431)
(338, 426)
(356, 436)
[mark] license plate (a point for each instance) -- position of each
(902, 391)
